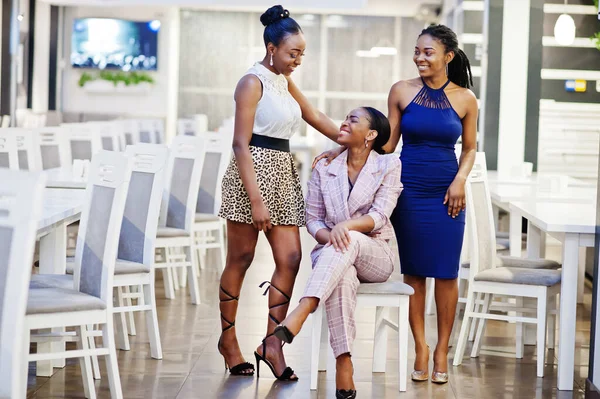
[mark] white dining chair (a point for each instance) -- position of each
(21, 198)
(209, 229)
(175, 240)
(489, 278)
(90, 300)
(54, 147)
(9, 158)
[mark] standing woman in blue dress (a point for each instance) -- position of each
(431, 112)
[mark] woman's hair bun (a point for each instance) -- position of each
(273, 15)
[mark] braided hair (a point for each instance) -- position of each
(278, 25)
(459, 69)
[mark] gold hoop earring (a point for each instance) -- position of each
(271, 62)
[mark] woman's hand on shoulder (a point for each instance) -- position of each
(328, 156)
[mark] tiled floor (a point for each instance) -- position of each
(192, 367)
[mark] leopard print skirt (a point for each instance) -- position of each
(279, 186)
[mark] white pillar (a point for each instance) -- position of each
(41, 57)
(173, 16)
(513, 86)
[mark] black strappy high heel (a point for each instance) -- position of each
(345, 393)
(240, 368)
(288, 372)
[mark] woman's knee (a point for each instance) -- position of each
(289, 260)
(242, 257)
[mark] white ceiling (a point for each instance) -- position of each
(366, 7)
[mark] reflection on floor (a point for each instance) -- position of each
(192, 367)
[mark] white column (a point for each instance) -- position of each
(513, 84)
(41, 57)
(173, 16)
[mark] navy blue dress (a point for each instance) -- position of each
(429, 240)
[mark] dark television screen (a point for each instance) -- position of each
(105, 43)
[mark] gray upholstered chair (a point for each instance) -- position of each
(21, 197)
(209, 229)
(174, 238)
(488, 277)
(8, 150)
(90, 300)
(146, 131)
(84, 140)
(28, 149)
(54, 147)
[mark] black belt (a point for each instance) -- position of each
(271, 143)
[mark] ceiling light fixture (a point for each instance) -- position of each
(564, 29)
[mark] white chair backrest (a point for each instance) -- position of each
(142, 208)
(84, 140)
(28, 149)
(101, 218)
(21, 197)
(480, 222)
(216, 159)
(201, 123)
(182, 182)
(131, 131)
(159, 131)
(146, 133)
(9, 158)
(187, 127)
(110, 135)
(54, 147)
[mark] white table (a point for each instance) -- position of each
(574, 225)
(63, 178)
(61, 208)
(495, 178)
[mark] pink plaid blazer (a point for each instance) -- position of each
(375, 193)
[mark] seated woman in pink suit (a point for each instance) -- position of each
(348, 206)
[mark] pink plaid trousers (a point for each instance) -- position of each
(335, 278)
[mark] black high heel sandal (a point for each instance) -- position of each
(345, 393)
(287, 373)
(240, 368)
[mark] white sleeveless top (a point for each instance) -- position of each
(277, 115)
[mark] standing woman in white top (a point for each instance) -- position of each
(262, 191)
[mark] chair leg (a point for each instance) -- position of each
(167, 274)
(317, 320)
(403, 343)
(464, 329)
(92, 346)
(152, 320)
(221, 233)
(324, 350)
(553, 302)
(520, 331)
(20, 390)
(430, 296)
(485, 308)
(121, 322)
(192, 277)
(130, 319)
(380, 340)
(474, 322)
(112, 366)
(541, 332)
(85, 363)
